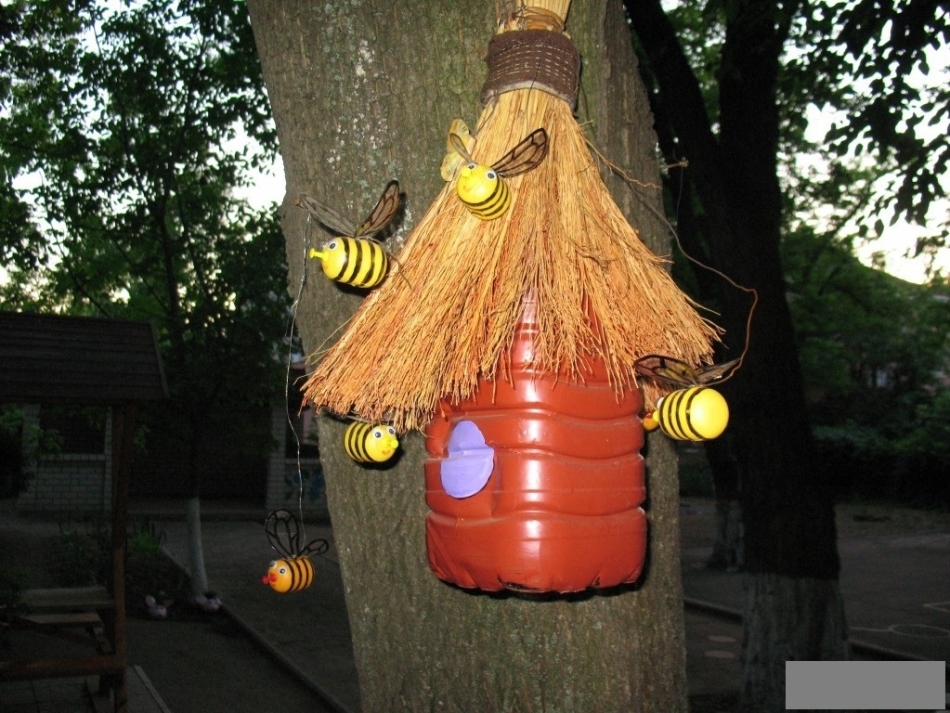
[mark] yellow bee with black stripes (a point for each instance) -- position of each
(354, 257)
(369, 443)
(293, 571)
(693, 413)
(482, 188)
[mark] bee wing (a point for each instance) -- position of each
(456, 155)
(716, 372)
(525, 156)
(315, 547)
(666, 368)
(385, 211)
(459, 143)
(283, 532)
(325, 215)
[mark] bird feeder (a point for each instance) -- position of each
(536, 482)
(513, 339)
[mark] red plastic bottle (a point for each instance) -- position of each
(535, 484)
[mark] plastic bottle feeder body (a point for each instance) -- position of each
(535, 484)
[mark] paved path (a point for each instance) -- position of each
(896, 589)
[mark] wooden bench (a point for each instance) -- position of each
(82, 615)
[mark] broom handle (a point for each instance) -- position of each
(505, 8)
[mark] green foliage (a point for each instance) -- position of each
(148, 570)
(83, 556)
(126, 129)
(924, 453)
(878, 55)
(874, 351)
(22, 443)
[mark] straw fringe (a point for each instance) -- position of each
(452, 320)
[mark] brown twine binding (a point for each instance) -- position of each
(532, 59)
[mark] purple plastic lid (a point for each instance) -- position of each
(470, 461)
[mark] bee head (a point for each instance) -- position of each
(476, 183)
(382, 443)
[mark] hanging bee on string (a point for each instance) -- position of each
(482, 188)
(370, 443)
(354, 257)
(293, 571)
(692, 412)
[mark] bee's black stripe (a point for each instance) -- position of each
(365, 263)
(338, 275)
(355, 441)
(351, 249)
(674, 414)
(495, 204)
(373, 259)
(301, 570)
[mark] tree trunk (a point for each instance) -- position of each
(366, 96)
(196, 553)
(794, 609)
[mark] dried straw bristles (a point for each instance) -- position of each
(451, 321)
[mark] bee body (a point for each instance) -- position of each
(292, 571)
(694, 414)
(354, 257)
(370, 443)
(483, 191)
(359, 262)
(292, 574)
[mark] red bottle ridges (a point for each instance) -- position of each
(560, 510)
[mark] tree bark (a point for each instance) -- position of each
(794, 609)
(366, 96)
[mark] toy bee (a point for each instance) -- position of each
(354, 258)
(482, 188)
(693, 413)
(369, 443)
(293, 572)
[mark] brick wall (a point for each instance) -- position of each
(65, 483)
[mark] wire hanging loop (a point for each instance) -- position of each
(535, 54)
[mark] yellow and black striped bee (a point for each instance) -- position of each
(369, 443)
(354, 257)
(293, 571)
(482, 188)
(692, 413)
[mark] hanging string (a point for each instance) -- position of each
(748, 290)
(291, 329)
(633, 183)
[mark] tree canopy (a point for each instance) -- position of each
(126, 133)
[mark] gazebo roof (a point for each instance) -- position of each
(81, 360)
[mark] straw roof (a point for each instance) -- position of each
(598, 289)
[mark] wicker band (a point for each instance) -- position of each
(532, 59)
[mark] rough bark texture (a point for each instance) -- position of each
(365, 93)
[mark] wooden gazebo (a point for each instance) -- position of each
(51, 359)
